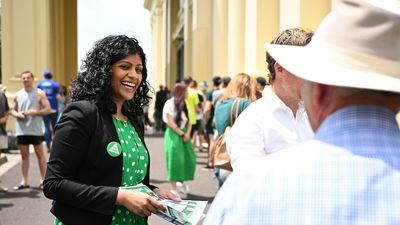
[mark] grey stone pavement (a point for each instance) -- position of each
(29, 206)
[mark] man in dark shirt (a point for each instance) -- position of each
(161, 98)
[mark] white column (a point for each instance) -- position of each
(219, 37)
(236, 31)
(289, 14)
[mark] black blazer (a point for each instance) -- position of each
(81, 177)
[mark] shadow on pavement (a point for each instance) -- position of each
(155, 181)
(6, 205)
(22, 194)
(199, 198)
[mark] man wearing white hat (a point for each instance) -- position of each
(350, 172)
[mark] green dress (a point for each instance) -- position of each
(134, 169)
(181, 160)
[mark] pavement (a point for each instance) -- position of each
(29, 206)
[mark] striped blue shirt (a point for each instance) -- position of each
(348, 174)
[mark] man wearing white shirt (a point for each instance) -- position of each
(278, 119)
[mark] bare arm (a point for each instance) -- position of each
(207, 110)
(3, 120)
(14, 110)
(58, 97)
(171, 123)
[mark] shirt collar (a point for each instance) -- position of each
(276, 103)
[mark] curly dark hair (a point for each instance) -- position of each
(93, 82)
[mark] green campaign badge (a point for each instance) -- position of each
(114, 149)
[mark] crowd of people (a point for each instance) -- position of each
(315, 142)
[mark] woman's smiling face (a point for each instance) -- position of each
(126, 77)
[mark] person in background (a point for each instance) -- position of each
(161, 98)
(52, 90)
(217, 94)
(241, 91)
(180, 157)
(29, 107)
(146, 118)
(4, 111)
(261, 82)
(166, 89)
(192, 101)
(283, 121)
(98, 146)
(63, 100)
(197, 130)
(209, 118)
(349, 173)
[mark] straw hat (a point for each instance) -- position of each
(356, 45)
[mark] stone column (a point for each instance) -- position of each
(236, 18)
(311, 18)
(262, 25)
(219, 38)
(289, 14)
(38, 35)
(187, 38)
(201, 40)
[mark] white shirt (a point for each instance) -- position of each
(169, 108)
(266, 126)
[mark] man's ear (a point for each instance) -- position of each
(278, 68)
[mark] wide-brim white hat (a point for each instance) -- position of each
(356, 45)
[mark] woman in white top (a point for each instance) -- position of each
(181, 160)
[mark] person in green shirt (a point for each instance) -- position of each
(192, 100)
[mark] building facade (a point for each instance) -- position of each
(204, 38)
(38, 35)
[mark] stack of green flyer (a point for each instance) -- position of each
(185, 212)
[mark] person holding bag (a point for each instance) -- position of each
(242, 88)
(219, 153)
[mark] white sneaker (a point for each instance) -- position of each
(186, 188)
(180, 187)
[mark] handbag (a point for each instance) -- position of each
(219, 154)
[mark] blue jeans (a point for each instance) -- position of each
(49, 124)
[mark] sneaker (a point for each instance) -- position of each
(186, 188)
(182, 187)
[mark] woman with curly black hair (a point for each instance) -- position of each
(98, 146)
